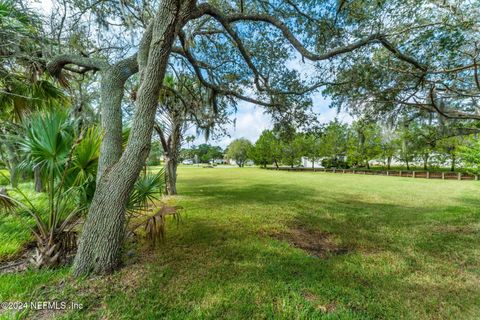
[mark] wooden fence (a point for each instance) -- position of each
(394, 173)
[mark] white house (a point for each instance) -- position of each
(307, 163)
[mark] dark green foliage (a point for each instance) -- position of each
(334, 163)
(203, 152)
(266, 151)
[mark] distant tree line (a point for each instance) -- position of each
(203, 153)
(410, 142)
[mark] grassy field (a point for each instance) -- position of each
(14, 233)
(255, 244)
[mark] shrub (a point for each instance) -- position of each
(334, 163)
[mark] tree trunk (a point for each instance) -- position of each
(112, 89)
(14, 176)
(452, 165)
(276, 163)
(37, 176)
(408, 165)
(389, 162)
(368, 165)
(12, 166)
(171, 175)
(100, 245)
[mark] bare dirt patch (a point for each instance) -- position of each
(18, 263)
(316, 242)
(457, 229)
(316, 302)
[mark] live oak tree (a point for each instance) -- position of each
(234, 49)
(442, 77)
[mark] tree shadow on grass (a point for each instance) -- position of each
(401, 263)
(368, 225)
(237, 273)
(261, 193)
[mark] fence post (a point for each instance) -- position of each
(353, 171)
(388, 173)
(400, 173)
(476, 178)
(413, 174)
(459, 176)
(443, 175)
(343, 170)
(428, 174)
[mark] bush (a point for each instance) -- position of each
(334, 163)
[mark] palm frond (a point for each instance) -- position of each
(148, 188)
(155, 225)
(6, 203)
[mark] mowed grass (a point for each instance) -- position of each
(413, 252)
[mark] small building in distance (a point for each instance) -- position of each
(307, 163)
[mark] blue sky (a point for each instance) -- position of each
(251, 121)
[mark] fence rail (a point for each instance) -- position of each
(394, 173)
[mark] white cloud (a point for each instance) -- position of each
(326, 114)
(44, 7)
(250, 122)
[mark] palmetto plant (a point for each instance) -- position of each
(148, 188)
(50, 143)
(82, 171)
(68, 162)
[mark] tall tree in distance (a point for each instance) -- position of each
(266, 149)
(389, 144)
(239, 150)
(334, 143)
(313, 148)
(364, 143)
(293, 149)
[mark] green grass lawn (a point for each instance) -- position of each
(407, 249)
(14, 231)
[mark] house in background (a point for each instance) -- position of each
(307, 163)
(219, 161)
(247, 162)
